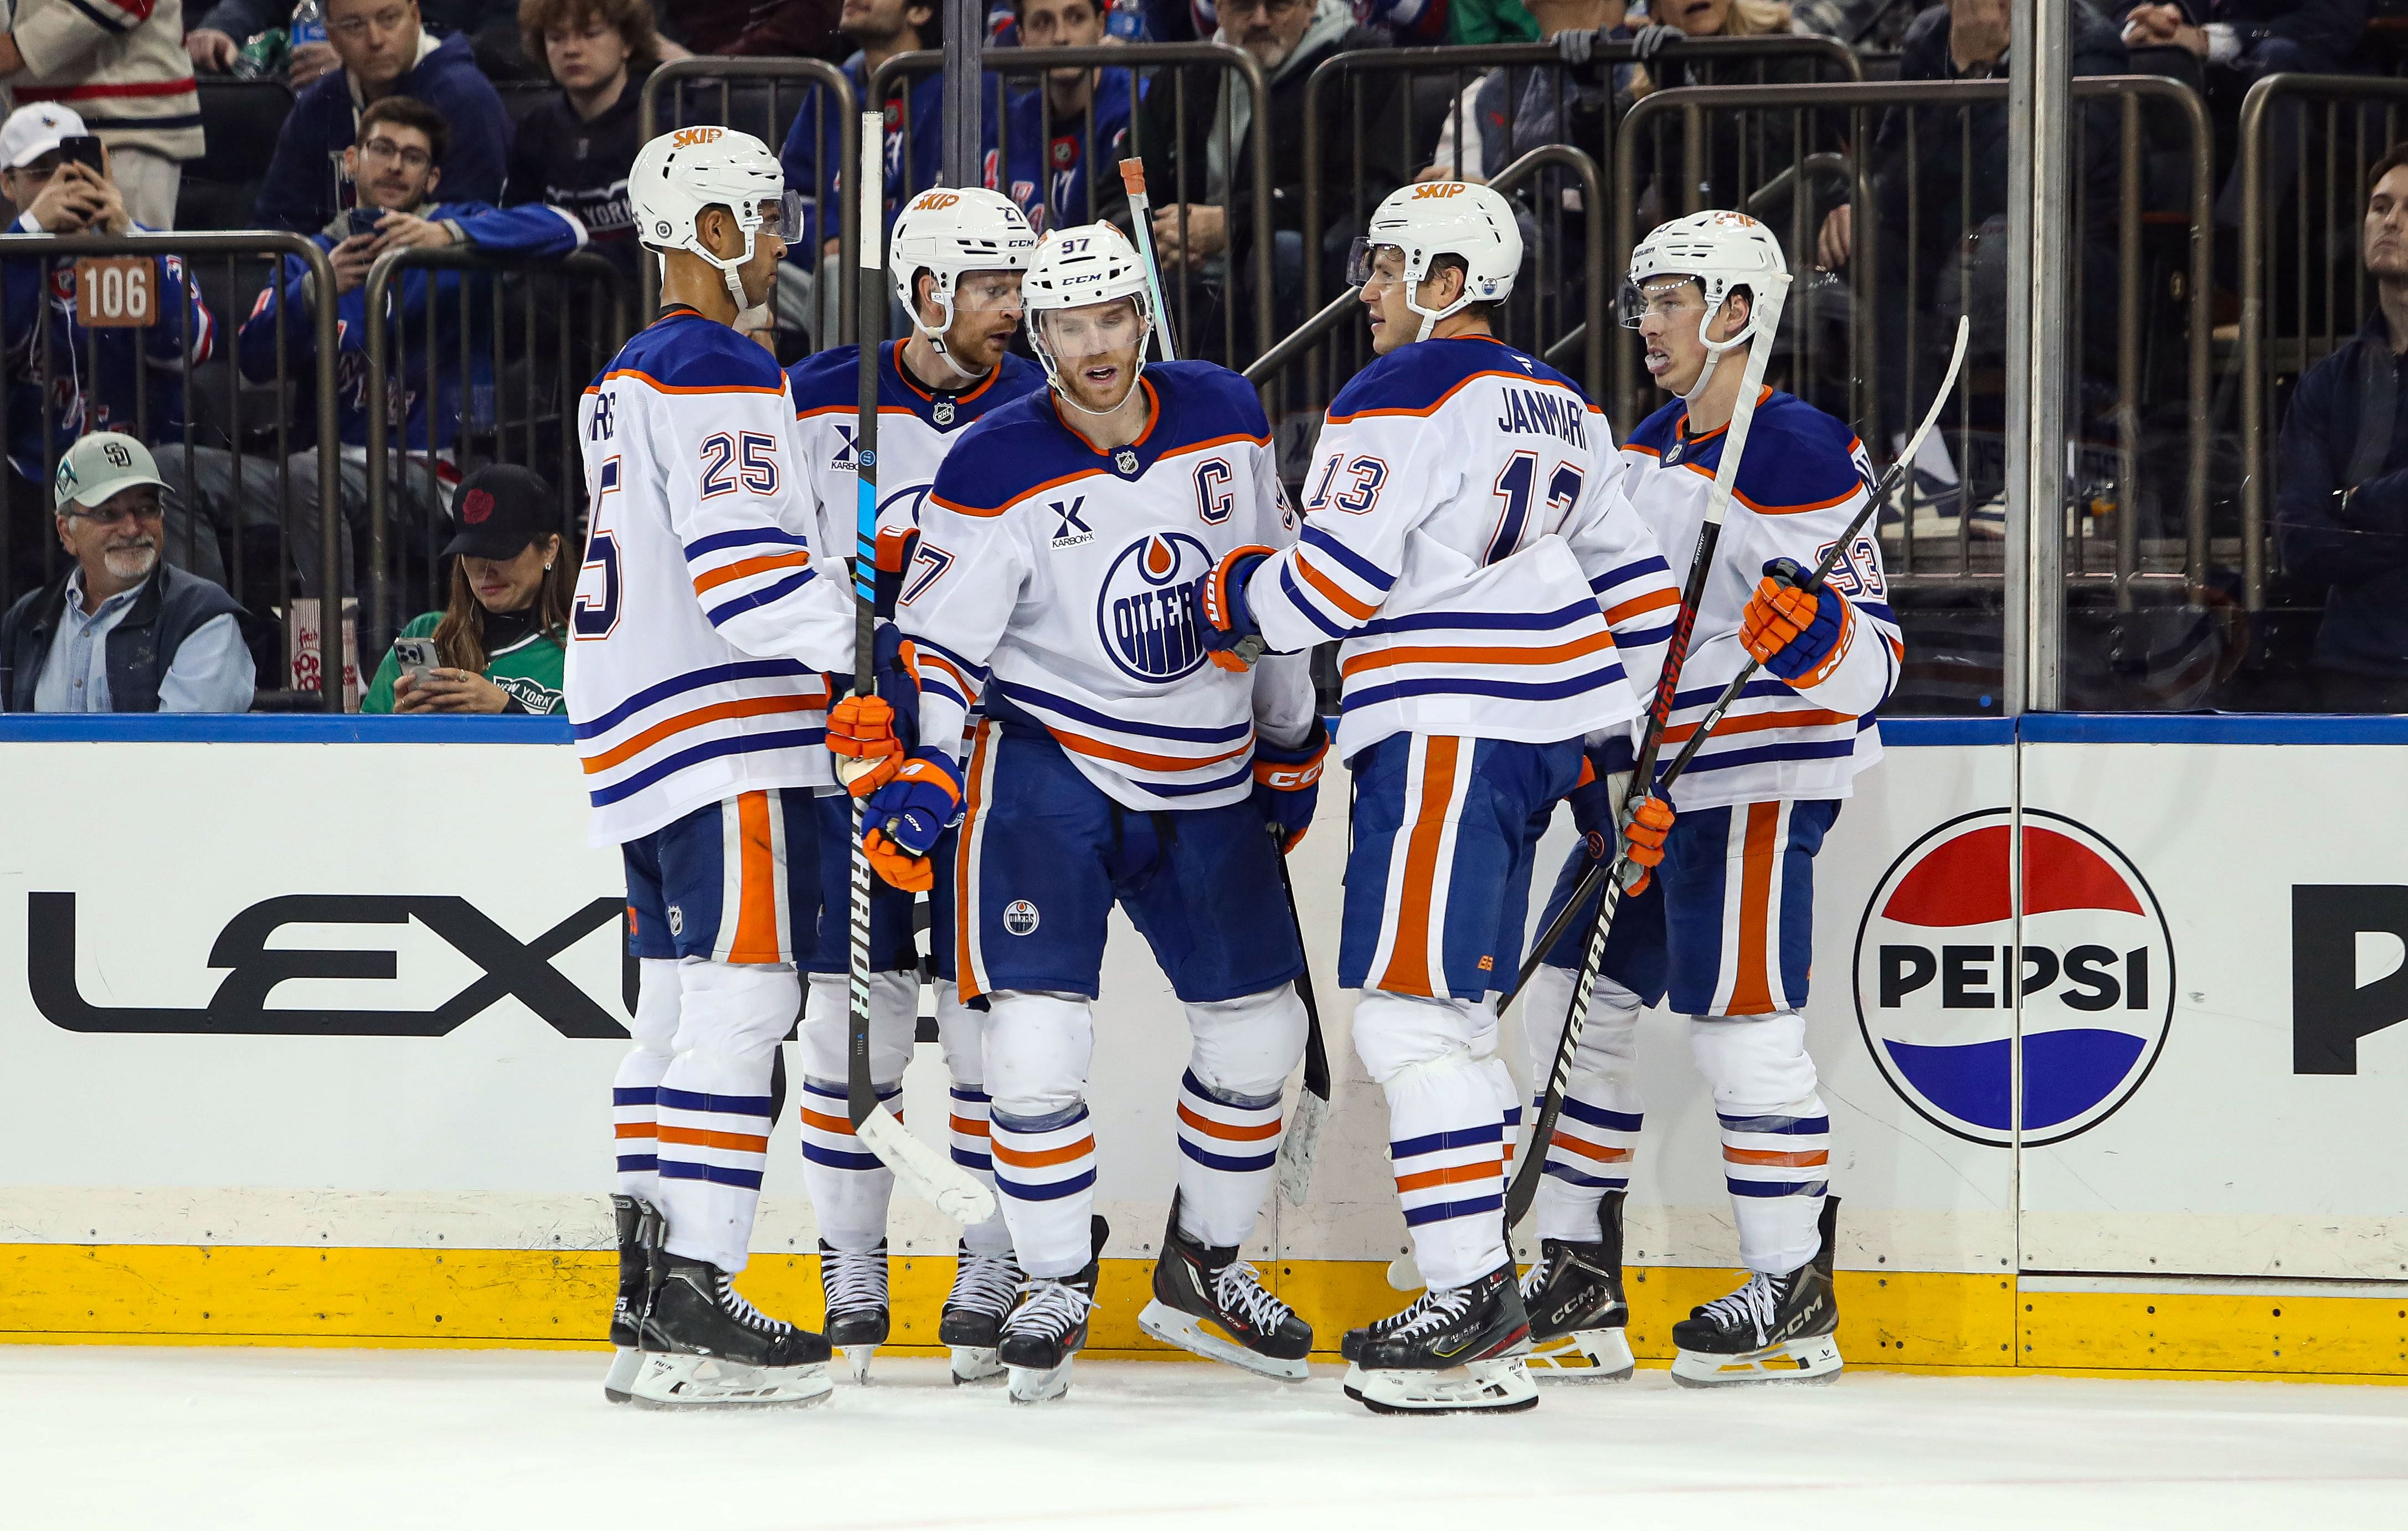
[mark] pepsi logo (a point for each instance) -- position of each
(1938, 980)
(1148, 611)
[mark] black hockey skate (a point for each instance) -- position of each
(705, 1347)
(1209, 1301)
(1453, 1352)
(1047, 1326)
(639, 1226)
(1573, 1295)
(972, 1324)
(855, 1286)
(1773, 1329)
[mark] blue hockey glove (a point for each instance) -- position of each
(1231, 635)
(906, 817)
(1287, 783)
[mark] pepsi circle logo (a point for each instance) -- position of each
(1150, 619)
(1936, 1001)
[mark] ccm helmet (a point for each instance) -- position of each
(679, 174)
(1077, 269)
(1719, 252)
(1434, 217)
(948, 232)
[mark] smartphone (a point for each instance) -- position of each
(361, 220)
(416, 655)
(82, 149)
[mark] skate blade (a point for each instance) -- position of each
(1503, 1386)
(856, 1360)
(1039, 1384)
(976, 1364)
(1584, 1355)
(1814, 1359)
(624, 1364)
(667, 1381)
(1186, 1331)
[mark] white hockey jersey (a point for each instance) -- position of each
(701, 625)
(1461, 537)
(1059, 584)
(916, 427)
(1801, 480)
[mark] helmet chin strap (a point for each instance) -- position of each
(935, 340)
(1715, 353)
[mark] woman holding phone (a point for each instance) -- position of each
(501, 643)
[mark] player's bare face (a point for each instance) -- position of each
(1668, 325)
(1392, 319)
(1095, 352)
(986, 310)
(758, 275)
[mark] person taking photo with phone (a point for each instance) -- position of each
(499, 644)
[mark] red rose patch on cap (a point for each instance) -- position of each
(478, 506)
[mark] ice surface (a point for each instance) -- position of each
(333, 1440)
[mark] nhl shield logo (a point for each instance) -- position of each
(1124, 462)
(943, 411)
(1020, 917)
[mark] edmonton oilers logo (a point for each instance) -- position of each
(1148, 614)
(1933, 959)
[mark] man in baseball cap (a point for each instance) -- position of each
(120, 631)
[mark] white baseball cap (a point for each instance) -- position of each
(101, 465)
(32, 132)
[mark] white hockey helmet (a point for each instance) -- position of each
(949, 232)
(1433, 218)
(1077, 269)
(1719, 252)
(683, 171)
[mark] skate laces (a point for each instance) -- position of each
(1236, 1288)
(1434, 1312)
(853, 1279)
(985, 1283)
(732, 1303)
(1753, 1303)
(1047, 1307)
(1535, 1280)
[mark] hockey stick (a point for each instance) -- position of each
(1141, 220)
(930, 1175)
(1303, 1138)
(1526, 1176)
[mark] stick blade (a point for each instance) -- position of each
(932, 1176)
(1297, 1150)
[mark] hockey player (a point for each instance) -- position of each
(1726, 930)
(1056, 585)
(1495, 603)
(701, 631)
(956, 259)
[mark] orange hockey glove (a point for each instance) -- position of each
(1651, 821)
(861, 735)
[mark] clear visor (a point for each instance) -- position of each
(986, 292)
(1668, 298)
(782, 216)
(1366, 260)
(1073, 336)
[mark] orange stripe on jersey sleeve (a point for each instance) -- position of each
(749, 707)
(1639, 605)
(1332, 592)
(1451, 654)
(1753, 722)
(706, 583)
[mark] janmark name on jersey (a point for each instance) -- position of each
(1535, 412)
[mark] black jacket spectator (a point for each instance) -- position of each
(739, 28)
(2316, 36)
(581, 168)
(2342, 511)
(302, 190)
(172, 606)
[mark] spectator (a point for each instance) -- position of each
(1204, 241)
(503, 638)
(880, 29)
(117, 63)
(2340, 514)
(491, 27)
(1505, 113)
(574, 151)
(1405, 24)
(62, 378)
(385, 51)
(745, 28)
(1058, 133)
(397, 164)
(121, 630)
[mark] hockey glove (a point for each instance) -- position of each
(869, 735)
(1287, 783)
(1651, 821)
(896, 548)
(1798, 634)
(1231, 636)
(906, 817)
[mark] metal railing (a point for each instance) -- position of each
(1176, 176)
(477, 395)
(1685, 115)
(182, 441)
(2327, 303)
(678, 93)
